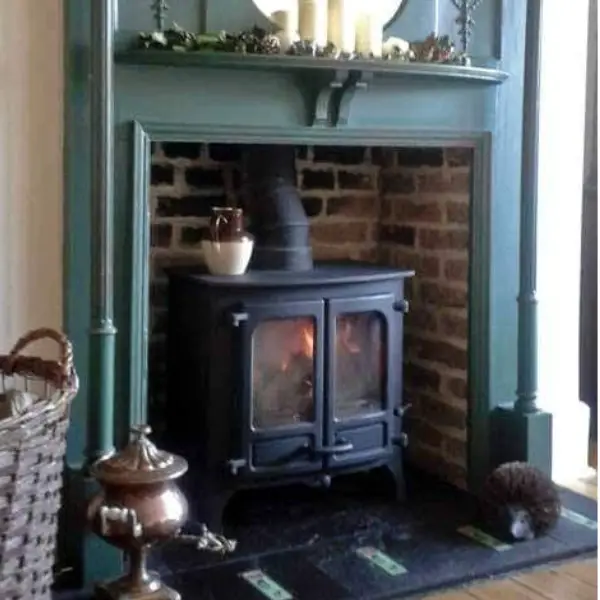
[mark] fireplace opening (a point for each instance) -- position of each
(318, 371)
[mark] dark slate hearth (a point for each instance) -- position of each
(306, 540)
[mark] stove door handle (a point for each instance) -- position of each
(341, 447)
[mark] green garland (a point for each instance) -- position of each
(434, 49)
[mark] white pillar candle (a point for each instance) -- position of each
(287, 21)
(369, 33)
(312, 20)
(341, 24)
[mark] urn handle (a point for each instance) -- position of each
(122, 516)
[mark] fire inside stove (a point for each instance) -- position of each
(284, 368)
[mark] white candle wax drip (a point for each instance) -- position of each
(312, 21)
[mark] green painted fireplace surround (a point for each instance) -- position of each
(118, 102)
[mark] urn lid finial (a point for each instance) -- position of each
(139, 463)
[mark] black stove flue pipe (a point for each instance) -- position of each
(272, 202)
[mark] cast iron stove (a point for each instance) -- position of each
(291, 372)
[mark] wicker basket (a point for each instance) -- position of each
(32, 450)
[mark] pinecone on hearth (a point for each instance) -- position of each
(519, 502)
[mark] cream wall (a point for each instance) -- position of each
(31, 125)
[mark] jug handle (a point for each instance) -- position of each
(214, 228)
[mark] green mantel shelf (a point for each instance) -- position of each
(265, 62)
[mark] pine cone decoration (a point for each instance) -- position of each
(520, 502)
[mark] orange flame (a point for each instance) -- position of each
(308, 340)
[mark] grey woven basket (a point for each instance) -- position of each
(32, 451)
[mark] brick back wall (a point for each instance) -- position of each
(425, 226)
(400, 207)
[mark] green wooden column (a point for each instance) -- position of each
(96, 560)
(100, 434)
(527, 353)
(523, 431)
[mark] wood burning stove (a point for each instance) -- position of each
(288, 373)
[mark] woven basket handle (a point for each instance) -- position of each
(65, 360)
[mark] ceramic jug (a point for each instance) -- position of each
(228, 247)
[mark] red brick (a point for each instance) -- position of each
(330, 252)
(444, 239)
(420, 157)
(421, 378)
(386, 255)
(313, 206)
(188, 206)
(160, 235)
(457, 269)
(354, 206)
(426, 434)
(438, 413)
(384, 157)
(436, 181)
(457, 387)
(455, 450)
(438, 351)
(340, 233)
(457, 212)
(162, 261)
(317, 179)
(456, 326)
(411, 211)
(397, 234)
(433, 462)
(397, 182)
(387, 208)
(443, 295)
(421, 318)
(459, 157)
(350, 180)
(425, 266)
(365, 254)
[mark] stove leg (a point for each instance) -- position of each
(396, 468)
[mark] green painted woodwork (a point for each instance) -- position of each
(522, 432)
(521, 436)
(88, 297)
(258, 62)
(77, 216)
(528, 321)
(102, 331)
(92, 558)
(241, 99)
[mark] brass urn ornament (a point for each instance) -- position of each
(140, 506)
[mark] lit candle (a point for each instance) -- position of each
(312, 21)
(341, 24)
(288, 24)
(369, 33)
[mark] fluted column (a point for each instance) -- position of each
(102, 332)
(527, 378)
